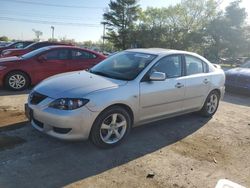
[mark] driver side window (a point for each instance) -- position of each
(170, 65)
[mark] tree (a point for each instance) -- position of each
(37, 34)
(120, 19)
(228, 33)
(235, 15)
(4, 38)
(177, 27)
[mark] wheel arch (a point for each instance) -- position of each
(217, 90)
(124, 106)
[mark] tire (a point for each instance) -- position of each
(211, 104)
(17, 81)
(108, 125)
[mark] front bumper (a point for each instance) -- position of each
(62, 124)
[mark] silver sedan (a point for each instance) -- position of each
(128, 89)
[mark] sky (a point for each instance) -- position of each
(73, 19)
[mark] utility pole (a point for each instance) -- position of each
(104, 32)
(53, 29)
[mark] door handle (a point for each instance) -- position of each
(179, 85)
(206, 81)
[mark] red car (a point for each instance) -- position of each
(16, 45)
(29, 48)
(17, 73)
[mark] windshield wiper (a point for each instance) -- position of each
(100, 73)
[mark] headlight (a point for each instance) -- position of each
(2, 67)
(6, 52)
(68, 103)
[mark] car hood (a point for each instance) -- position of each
(9, 59)
(75, 84)
(239, 71)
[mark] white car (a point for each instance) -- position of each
(127, 89)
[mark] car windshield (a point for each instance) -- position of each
(34, 53)
(10, 44)
(246, 65)
(31, 45)
(123, 66)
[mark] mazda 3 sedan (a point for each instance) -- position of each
(127, 89)
(18, 73)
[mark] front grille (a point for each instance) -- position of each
(38, 123)
(61, 130)
(36, 98)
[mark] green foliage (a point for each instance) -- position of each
(4, 38)
(229, 37)
(176, 27)
(192, 25)
(120, 19)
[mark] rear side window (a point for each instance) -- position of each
(61, 54)
(81, 54)
(195, 65)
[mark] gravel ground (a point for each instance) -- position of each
(186, 151)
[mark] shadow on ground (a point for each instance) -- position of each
(5, 92)
(237, 98)
(56, 163)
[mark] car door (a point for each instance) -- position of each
(51, 63)
(198, 82)
(158, 98)
(81, 59)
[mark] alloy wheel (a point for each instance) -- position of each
(113, 128)
(212, 104)
(17, 81)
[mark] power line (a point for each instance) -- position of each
(48, 22)
(51, 5)
(41, 16)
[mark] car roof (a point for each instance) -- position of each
(71, 47)
(65, 46)
(159, 51)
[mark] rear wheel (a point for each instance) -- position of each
(111, 127)
(17, 81)
(211, 104)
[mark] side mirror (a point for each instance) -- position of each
(157, 76)
(41, 58)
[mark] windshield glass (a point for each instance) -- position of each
(246, 65)
(31, 45)
(34, 53)
(123, 65)
(11, 44)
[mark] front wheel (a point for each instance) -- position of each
(111, 127)
(211, 104)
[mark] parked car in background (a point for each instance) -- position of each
(238, 79)
(17, 73)
(16, 45)
(130, 88)
(4, 43)
(29, 48)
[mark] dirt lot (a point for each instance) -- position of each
(188, 151)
